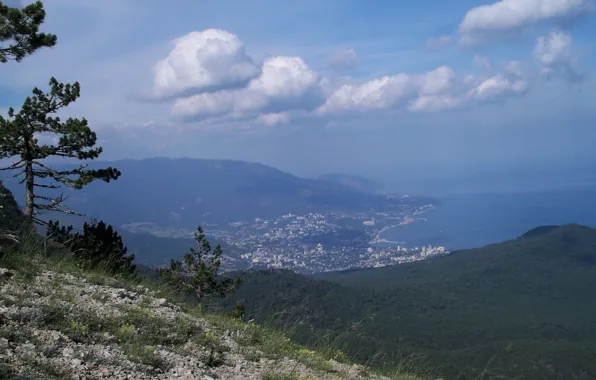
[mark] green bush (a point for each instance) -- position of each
(98, 246)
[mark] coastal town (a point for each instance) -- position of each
(313, 242)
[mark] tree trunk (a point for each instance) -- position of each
(29, 192)
(29, 182)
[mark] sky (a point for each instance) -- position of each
(388, 89)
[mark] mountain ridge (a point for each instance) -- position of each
(213, 192)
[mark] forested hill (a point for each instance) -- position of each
(522, 308)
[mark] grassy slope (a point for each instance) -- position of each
(523, 307)
(31, 262)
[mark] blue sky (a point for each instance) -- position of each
(384, 88)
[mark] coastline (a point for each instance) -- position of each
(407, 220)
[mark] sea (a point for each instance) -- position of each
(491, 214)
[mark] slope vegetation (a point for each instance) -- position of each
(60, 322)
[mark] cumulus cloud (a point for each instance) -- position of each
(513, 80)
(436, 90)
(497, 86)
(389, 91)
(483, 22)
(203, 61)
(212, 79)
(342, 60)
(556, 55)
(285, 83)
(436, 43)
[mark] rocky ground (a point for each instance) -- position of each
(60, 326)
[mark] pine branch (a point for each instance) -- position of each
(58, 176)
(55, 205)
(16, 165)
(58, 199)
(46, 186)
(39, 221)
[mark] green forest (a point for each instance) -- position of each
(521, 309)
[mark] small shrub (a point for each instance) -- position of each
(125, 333)
(80, 329)
(215, 356)
(146, 355)
(239, 311)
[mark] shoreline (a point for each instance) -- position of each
(407, 220)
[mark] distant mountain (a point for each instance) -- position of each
(188, 192)
(522, 309)
(356, 182)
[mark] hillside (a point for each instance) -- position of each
(187, 192)
(60, 322)
(519, 309)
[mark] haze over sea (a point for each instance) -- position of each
(482, 210)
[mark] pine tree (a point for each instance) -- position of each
(19, 138)
(198, 272)
(98, 246)
(20, 28)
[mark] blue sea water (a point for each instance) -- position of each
(476, 219)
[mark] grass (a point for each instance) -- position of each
(137, 330)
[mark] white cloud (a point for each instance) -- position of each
(375, 94)
(497, 87)
(285, 83)
(437, 81)
(272, 119)
(342, 60)
(285, 86)
(436, 90)
(203, 61)
(285, 77)
(481, 23)
(514, 79)
(556, 56)
(389, 91)
(436, 43)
